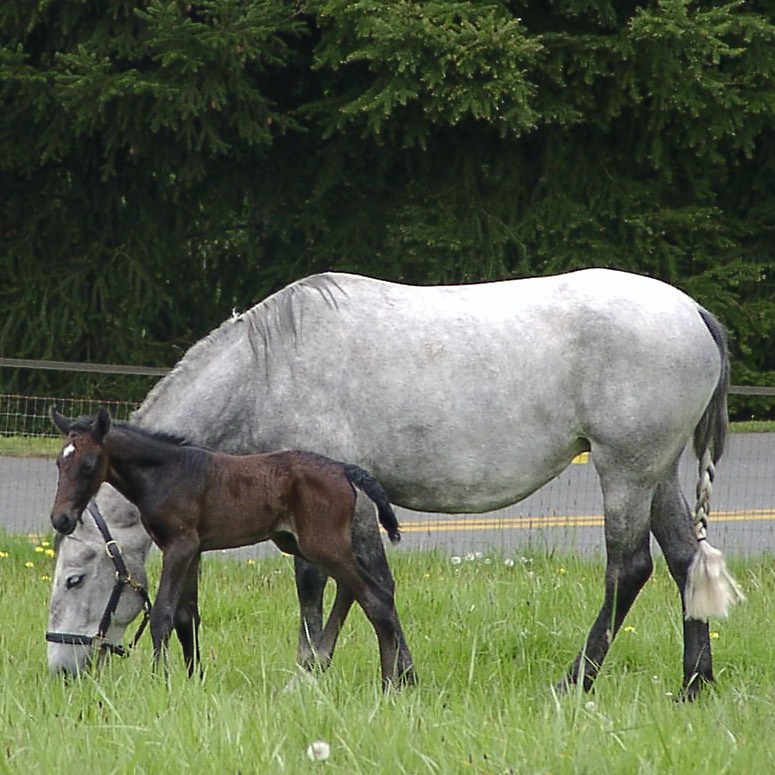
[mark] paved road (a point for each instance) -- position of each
(564, 514)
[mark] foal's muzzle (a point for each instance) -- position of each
(64, 523)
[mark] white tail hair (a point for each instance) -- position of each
(710, 587)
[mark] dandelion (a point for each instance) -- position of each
(40, 549)
(456, 560)
(45, 543)
(562, 571)
(318, 751)
(629, 628)
(50, 553)
(3, 555)
(45, 577)
(714, 635)
(251, 562)
(29, 564)
(509, 563)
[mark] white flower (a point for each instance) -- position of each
(318, 751)
(455, 560)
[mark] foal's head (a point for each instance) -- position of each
(83, 467)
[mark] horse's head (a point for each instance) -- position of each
(83, 466)
(84, 580)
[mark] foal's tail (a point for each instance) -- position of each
(710, 588)
(363, 480)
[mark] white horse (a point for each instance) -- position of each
(465, 399)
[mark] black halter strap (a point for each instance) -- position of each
(123, 579)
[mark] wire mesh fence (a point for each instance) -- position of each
(29, 416)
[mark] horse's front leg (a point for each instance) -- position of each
(187, 618)
(177, 557)
(310, 584)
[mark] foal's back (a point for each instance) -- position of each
(249, 498)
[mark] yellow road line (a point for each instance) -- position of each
(444, 524)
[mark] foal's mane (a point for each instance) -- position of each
(161, 436)
(268, 322)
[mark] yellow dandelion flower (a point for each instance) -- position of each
(3, 555)
(45, 543)
(29, 564)
(50, 553)
(629, 628)
(714, 635)
(39, 549)
(45, 577)
(562, 571)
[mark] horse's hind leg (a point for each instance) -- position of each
(628, 567)
(671, 523)
(187, 618)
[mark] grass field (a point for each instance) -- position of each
(489, 637)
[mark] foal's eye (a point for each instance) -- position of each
(74, 581)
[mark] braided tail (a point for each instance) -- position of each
(710, 588)
(363, 480)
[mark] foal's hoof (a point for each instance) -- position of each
(405, 679)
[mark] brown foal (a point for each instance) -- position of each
(192, 500)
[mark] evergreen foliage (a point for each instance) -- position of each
(163, 162)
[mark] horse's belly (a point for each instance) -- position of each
(462, 481)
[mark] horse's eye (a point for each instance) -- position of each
(74, 581)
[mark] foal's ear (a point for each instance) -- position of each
(61, 421)
(101, 424)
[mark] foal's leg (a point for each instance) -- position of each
(379, 606)
(370, 553)
(187, 618)
(337, 559)
(628, 567)
(671, 523)
(177, 557)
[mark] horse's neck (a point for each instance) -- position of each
(200, 390)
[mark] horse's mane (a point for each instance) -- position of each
(276, 315)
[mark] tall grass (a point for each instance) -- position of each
(489, 638)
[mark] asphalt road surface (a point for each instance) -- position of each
(566, 514)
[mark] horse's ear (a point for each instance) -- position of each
(61, 422)
(101, 424)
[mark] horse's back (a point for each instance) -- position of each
(449, 392)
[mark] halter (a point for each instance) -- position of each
(123, 579)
